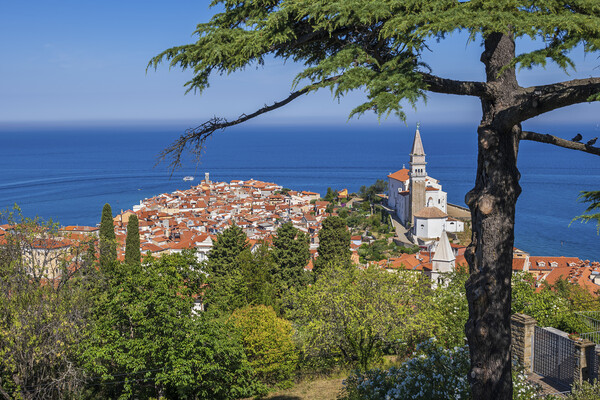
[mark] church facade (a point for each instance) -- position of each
(418, 199)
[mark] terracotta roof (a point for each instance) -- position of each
(401, 175)
(430, 212)
(518, 264)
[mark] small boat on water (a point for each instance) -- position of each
(188, 178)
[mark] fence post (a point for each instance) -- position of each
(522, 332)
(584, 351)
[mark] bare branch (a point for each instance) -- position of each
(450, 86)
(196, 137)
(567, 144)
(544, 98)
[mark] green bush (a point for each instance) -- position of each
(268, 343)
(432, 373)
(585, 391)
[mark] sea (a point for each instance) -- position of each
(66, 173)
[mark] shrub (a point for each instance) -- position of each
(268, 343)
(585, 391)
(432, 373)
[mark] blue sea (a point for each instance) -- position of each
(67, 173)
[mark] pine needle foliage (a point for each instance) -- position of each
(374, 45)
(593, 210)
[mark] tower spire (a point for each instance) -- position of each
(417, 147)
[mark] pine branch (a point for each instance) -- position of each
(196, 137)
(567, 144)
(545, 98)
(450, 86)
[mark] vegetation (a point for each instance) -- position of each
(108, 240)
(369, 193)
(268, 344)
(592, 213)
(378, 47)
(145, 336)
(132, 241)
(555, 305)
(352, 316)
(381, 249)
(229, 245)
(44, 303)
(69, 329)
(433, 372)
(334, 244)
(291, 253)
(331, 195)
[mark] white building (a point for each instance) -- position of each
(443, 262)
(418, 199)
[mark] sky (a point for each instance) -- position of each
(85, 62)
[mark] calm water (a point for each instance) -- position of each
(67, 174)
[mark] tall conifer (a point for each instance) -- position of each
(108, 240)
(132, 242)
(334, 244)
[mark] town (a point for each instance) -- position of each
(215, 245)
(429, 230)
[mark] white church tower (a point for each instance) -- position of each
(443, 262)
(418, 176)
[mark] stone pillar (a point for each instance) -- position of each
(597, 361)
(522, 331)
(584, 351)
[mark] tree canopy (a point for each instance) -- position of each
(334, 244)
(291, 253)
(377, 46)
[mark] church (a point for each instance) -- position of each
(418, 199)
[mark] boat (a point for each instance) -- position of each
(188, 178)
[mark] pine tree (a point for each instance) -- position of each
(108, 239)
(377, 46)
(291, 251)
(334, 245)
(132, 241)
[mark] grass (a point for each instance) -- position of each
(317, 389)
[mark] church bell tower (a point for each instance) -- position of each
(418, 174)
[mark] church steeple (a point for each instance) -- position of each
(417, 158)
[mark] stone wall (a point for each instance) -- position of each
(522, 332)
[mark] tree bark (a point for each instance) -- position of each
(492, 202)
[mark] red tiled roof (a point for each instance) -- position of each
(430, 212)
(400, 175)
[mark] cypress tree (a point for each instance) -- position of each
(291, 251)
(132, 242)
(108, 240)
(228, 246)
(334, 244)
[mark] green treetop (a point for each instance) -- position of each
(334, 244)
(108, 239)
(291, 253)
(132, 241)
(228, 246)
(377, 47)
(147, 342)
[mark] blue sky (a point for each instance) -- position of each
(84, 61)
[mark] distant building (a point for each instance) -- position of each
(418, 199)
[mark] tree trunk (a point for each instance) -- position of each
(492, 203)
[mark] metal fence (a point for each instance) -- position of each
(554, 356)
(591, 319)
